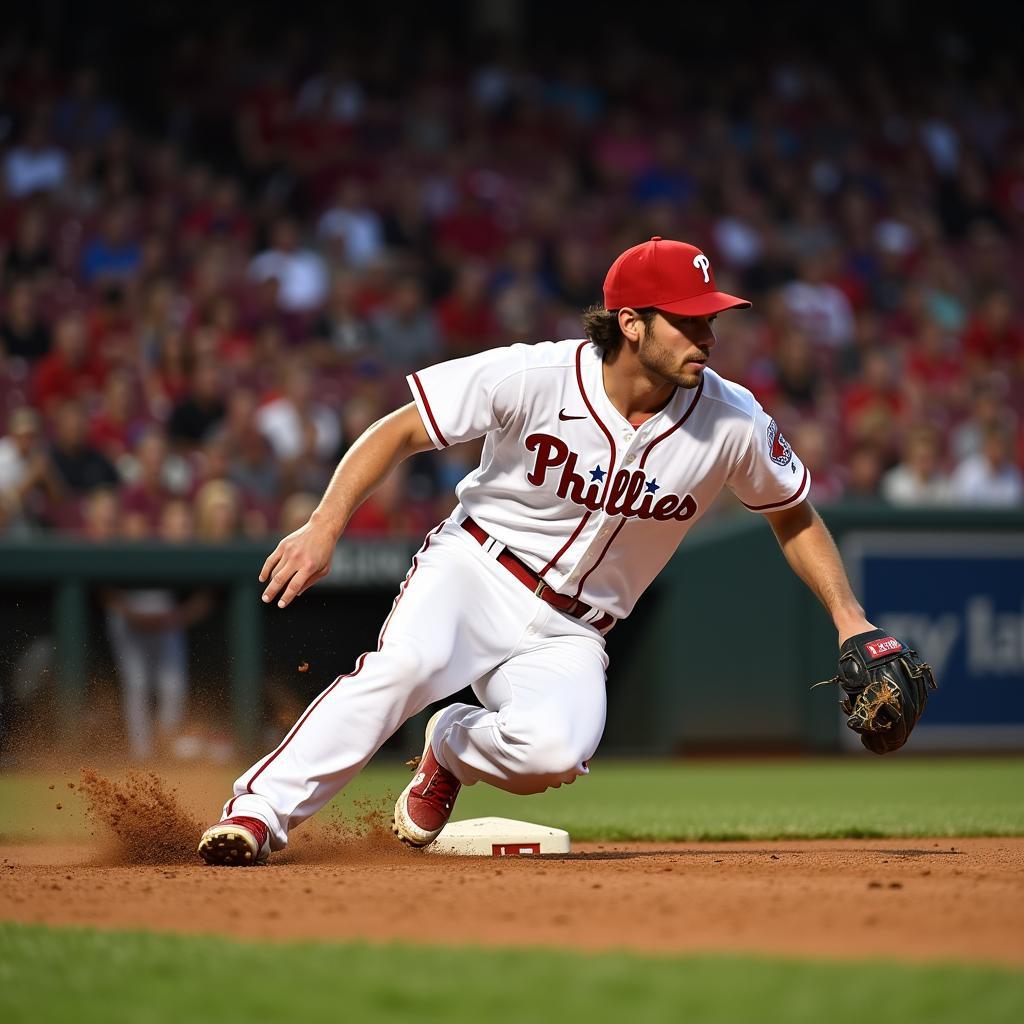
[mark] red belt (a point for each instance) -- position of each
(526, 576)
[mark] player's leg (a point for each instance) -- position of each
(171, 680)
(128, 646)
(543, 715)
(457, 615)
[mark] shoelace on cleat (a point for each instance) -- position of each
(441, 791)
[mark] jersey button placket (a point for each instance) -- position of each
(601, 534)
(592, 549)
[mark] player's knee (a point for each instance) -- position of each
(549, 752)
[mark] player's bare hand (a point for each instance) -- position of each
(302, 558)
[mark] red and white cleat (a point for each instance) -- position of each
(236, 842)
(426, 803)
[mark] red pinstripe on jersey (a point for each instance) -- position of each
(611, 539)
(607, 480)
(597, 419)
(568, 544)
(675, 426)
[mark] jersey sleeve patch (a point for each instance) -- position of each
(779, 449)
(768, 476)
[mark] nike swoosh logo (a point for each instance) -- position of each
(562, 416)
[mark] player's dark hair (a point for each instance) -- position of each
(601, 326)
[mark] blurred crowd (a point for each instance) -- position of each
(201, 307)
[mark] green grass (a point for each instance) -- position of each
(856, 797)
(143, 978)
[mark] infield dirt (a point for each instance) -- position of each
(915, 899)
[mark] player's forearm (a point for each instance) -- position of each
(366, 465)
(812, 554)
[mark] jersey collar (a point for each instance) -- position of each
(593, 382)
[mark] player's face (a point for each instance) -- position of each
(677, 347)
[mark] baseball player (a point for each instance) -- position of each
(599, 455)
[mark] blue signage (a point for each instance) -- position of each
(959, 600)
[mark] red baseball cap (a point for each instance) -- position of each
(671, 276)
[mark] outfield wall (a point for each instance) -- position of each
(731, 640)
(719, 654)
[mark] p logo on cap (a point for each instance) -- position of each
(672, 276)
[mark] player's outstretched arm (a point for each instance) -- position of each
(813, 556)
(304, 557)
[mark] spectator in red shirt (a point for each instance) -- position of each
(389, 511)
(992, 335)
(116, 424)
(221, 215)
(231, 342)
(110, 329)
(876, 394)
(934, 361)
(466, 314)
(936, 387)
(67, 372)
(375, 285)
(1008, 189)
(471, 229)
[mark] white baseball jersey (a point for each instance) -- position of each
(592, 504)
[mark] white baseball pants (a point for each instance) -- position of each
(148, 660)
(459, 619)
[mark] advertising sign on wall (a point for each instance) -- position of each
(959, 600)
